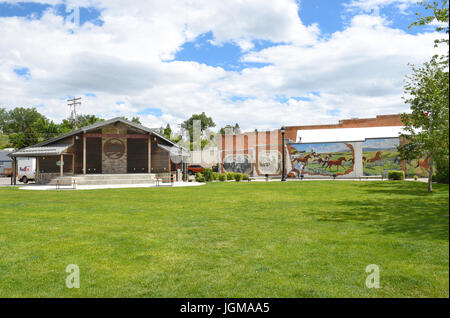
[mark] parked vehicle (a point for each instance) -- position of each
(5, 172)
(26, 169)
(193, 169)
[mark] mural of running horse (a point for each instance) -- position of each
(376, 158)
(304, 159)
(320, 159)
(337, 163)
(424, 163)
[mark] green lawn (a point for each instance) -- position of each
(294, 239)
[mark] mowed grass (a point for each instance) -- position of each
(294, 239)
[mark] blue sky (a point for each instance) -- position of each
(259, 63)
(331, 16)
(33, 10)
(322, 148)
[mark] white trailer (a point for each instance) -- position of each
(26, 169)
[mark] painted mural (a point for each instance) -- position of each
(381, 155)
(239, 163)
(269, 162)
(418, 167)
(322, 159)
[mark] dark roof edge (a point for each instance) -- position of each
(101, 124)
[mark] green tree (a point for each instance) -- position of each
(25, 126)
(427, 127)
(3, 117)
(427, 92)
(236, 129)
(68, 124)
(439, 16)
(167, 132)
(136, 120)
(205, 123)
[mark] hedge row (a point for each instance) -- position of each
(208, 175)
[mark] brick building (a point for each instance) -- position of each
(349, 149)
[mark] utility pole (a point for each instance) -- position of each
(73, 103)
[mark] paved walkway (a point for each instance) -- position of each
(110, 186)
(329, 179)
(33, 186)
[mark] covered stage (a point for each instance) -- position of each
(116, 146)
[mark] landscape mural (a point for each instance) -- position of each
(321, 159)
(380, 155)
(269, 162)
(238, 163)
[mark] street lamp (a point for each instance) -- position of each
(283, 131)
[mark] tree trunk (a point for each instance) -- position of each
(430, 175)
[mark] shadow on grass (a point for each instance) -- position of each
(404, 188)
(398, 208)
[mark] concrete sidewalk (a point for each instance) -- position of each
(111, 186)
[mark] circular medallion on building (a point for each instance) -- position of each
(114, 148)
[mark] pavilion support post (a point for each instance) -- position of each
(170, 167)
(84, 153)
(37, 170)
(12, 171)
(61, 165)
(149, 154)
(15, 170)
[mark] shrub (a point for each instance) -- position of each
(245, 176)
(416, 178)
(396, 175)
(238, 176)
(199, 176)
(215, 176)
(230, 175)
(442, 173)
(222, 177)
(208, 175)
(201, 179)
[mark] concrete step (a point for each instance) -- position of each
(116, 176)
(99, 179)
(114, 181)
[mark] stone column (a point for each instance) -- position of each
(114, 159)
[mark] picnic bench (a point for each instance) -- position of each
(167, 180)
(68, 182)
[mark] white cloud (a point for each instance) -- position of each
(376, 5)
(358, 72)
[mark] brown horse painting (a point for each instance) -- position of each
(376, 158)
(304, 159)
(337, 163)
(424, 163)
(321, 161)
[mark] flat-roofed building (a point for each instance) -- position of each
(352, 148)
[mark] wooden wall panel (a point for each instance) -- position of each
(48, 164)
(137, 155)
(94, 155)
(160, 159)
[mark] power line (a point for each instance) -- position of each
(73, 103)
